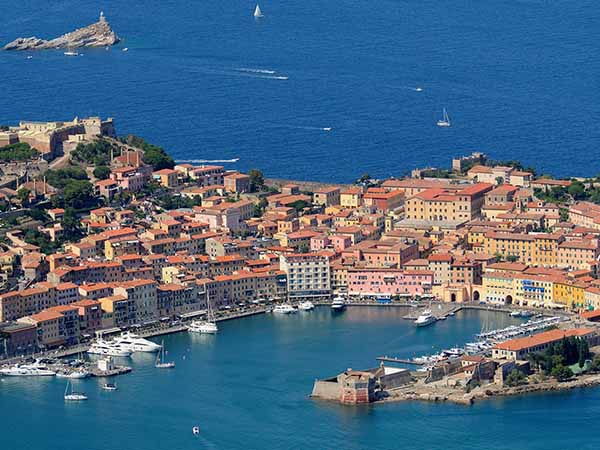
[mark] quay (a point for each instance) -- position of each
(398, 360)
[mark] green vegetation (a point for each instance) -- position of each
(257, 180)
(153, 155)
(515, 378)
(576, 191)
(299, 205)
(23, 196)
(17, 152)
(4, 128)
(102, 172)
(42, 240)
(94, 153)
(77, 191)
(555, 359)
(437, 173)
(168, 202)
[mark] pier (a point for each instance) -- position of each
(398, 360)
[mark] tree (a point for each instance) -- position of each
(23, 196)
(562, 373)
(515, 378)
(499, 180)
(97, 152)
(153, 155)
(20, 151)
(102, 172)
(72, 230)
(299, 205)
(257, 180)
(595, 364)
(564, 214)
(577, 190)
(78, 193)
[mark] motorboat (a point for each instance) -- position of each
(101, 347)
(453, 352)
(284, 308)
(71, 53)
(77, 374)
(126, 49)
(338, 303)
(27, 370)
(425, 318)
(306, 306)
(196, 430)
(160, 360)
(109, 387)
(515, 313)
(74, 396)
(135, 343)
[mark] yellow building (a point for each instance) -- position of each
(569, 293)
(540, 249)
(166, 177)
(351, 197)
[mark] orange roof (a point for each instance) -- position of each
(515, 345)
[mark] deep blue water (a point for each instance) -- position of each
(519, 78)
(247, 388)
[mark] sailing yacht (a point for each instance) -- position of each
(257, 12)
(160, 359)
(445, 121)
(74, 396)
(210, 325)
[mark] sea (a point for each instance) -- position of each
(323, 91)
(248, 388)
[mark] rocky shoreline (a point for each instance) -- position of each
(487, 392)
(98, 34)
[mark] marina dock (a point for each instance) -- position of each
(398, 360)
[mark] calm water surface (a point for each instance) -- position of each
(247, 387)
(207, 81)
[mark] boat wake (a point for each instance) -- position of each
(249, 70)
(308, 128)
(201, 161)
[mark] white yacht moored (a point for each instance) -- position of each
(284, 308)
(78, 374)
(426, 318)
(209, 326)
(27, 370)
(135, 343)
(306, 306)
(101, 347)
(338, 303)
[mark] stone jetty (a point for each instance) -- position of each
(98, 34)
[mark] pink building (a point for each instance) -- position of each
(389, 281)
(319, 242)
(340, 242)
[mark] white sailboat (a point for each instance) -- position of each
(74, 396)
(445, 121)
(257, 12)
(210, 325)
(160, 359)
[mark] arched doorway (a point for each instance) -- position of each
(453, 297)
(476, 296)
(508, 300)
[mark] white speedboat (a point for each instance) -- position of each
(426, 318)
(126, 49)
(74, 396)
(453, 352)
(306, 306)
(27, 370)
(135, 343)
(71, 53)
(445, 120)
(109, 387)
(160, 360)
(284, 308)
(338, 303)
(101, 347)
